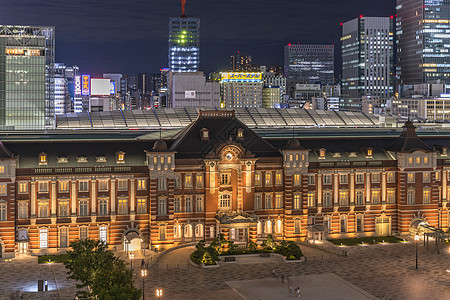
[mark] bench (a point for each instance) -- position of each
(230, 258)
(264, 254)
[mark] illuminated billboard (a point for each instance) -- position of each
(78, 85)
(100, 87)
(85, 85)
(189, 94)
(241, 76)
(112, 90)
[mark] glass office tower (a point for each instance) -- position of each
(184, 44)
(423, 41)
(27, 57)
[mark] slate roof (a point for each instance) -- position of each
(408, 141)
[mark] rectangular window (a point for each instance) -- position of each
(23, 210)
(268, 180)
(199, 181)
(343, 198)
(391, 177)
(103, 234)
(199, 203)
(359, 223)
(103, 207)
(297, 226)
(258, 178)
(177, 204)
(327, 199)
(84, 234)
(311, 179)
(410, 160)
(360, 197)
(141, 184)
(411, 197)
(390, 196)
(326, 222)
(103, 185)
(162, 206)
(43, 238)
(84, 208)
(188, 181)
(343, 178)
(43, 186)
(188, 203)
(162, 184)
(141, 205)
(438, 175)
(3, 191)
(225, 178)
(268, 201)
(375, 177)
(122, 185)
(123, 206)
(360, 178)
(64, 208)
(311, 220)
(375, 197)
(311, 199)
(43, 209)
(2, 169)
(426, 196)
(296, 179)
(225, 201)
(426, 177)
(278, 178)
(343, 225)
(425, 160)
(63, 239)
(83, 186)
(411, 177)
(327, 179)
(177, 181)
(3, 210)
(278, 201)
(297, 201)
(63, 186)
(418, 160)
(258, 202)
(23, 187)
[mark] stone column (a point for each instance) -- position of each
(336, 188)
(53, 199)
(132, 196)
(113, 197)
(367, 185)
(73, 197)
(444, 186)
(383, 188)
(93, 198)
(33, 199)
(319, 190)
(352, 189)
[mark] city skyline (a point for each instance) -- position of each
(96, 37)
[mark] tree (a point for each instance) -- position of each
(98, 270)
(208, 259)
(269, 243)
(252, 246)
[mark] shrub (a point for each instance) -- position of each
(252, 246)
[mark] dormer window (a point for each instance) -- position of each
(63, 160)
(322, 153)
(352, 154)
(43, 158)
(204, 134)
(82, 159)
(101, 159)
(336, 154)
(444, 151)
(240, 134)
(369, 152)
(120, 157)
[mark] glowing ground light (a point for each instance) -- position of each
(159, 293)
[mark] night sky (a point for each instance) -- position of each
(130, 36)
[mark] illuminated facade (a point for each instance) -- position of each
(217, 176)
(184, 44)
(430, 109)
(241, 89)
(423, 42)
(241, 63)
(309, 63)
(367, 57)
(27, 57)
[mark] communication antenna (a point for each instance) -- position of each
(183, 3)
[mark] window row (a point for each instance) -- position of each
(189, 181)
(360, 178)
(43, 158)
(64, 236)
(269, 178)
(268, 201)
(187, 203)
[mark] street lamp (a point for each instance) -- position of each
(131, 261)
(416, 238)
(159, 293)
(143, 274)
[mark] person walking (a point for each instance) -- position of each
(282, 277)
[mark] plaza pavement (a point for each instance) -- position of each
(385, 270)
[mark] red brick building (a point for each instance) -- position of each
(215, 176)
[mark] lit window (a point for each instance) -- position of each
(141, 205)
(278, 178)
(43, 209)
(43, 158)
(103, 234)
(343, 198)
(199, 181)
(23, 187)
(63, 186)
(103, 185)
(426, 177)
(120, 157)
(199, 203)
(425, 160)
(410, 160)
(188, 181)
(2, 169)
(411, 178)
(278, 201)
(141, 184)
(390, 196)
(369, 152)
(375, 177)
(268, 180)
(64, 208)
(426, 196)
(375, 197)
(390, 177)
(3, 189)
(123, 206)
(297, 179)
(418, 160)
(311, 199)
(322, 153)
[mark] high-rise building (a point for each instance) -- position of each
(240, 62)
(367, 57)
(242, 89)
(27, 58)
(423, 41)
(190, 89)
(309, 63)
(62, 96)
(184, 43)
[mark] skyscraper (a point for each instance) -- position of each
(309, 63)
(367, 57)
(423, 41)
(184, 43)
(240, 62)
(27, 58)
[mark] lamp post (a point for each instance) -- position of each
(416, 238)
(143, 274)
(159, 293)
(131, 261)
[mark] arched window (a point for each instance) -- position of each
(199, 230)
(259, 228)
(268, 227)
(279, 227)
(188, 230)
(177, 231)
(211, 231)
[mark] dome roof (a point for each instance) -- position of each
(160, 146)
(293, 144)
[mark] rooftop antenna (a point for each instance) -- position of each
(183, 3)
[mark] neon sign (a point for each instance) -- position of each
(86, 85)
